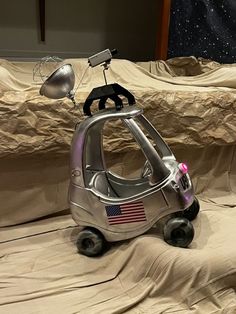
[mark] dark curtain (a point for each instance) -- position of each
(203, 28)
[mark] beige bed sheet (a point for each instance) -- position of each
(40, 269)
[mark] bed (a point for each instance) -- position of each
(192, 102)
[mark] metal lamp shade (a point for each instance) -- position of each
(60, 83)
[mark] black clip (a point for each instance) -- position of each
(104, 92)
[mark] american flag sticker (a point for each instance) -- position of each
(125, 213)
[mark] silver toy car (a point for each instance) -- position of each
(111, 208)
(107, 206)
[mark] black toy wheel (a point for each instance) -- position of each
(192, 211)
(179, 232)
(90, 242)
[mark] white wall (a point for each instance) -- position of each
(77, 28)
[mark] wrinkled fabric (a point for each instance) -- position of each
(200, 109)
(41, 271)
(40, 268)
